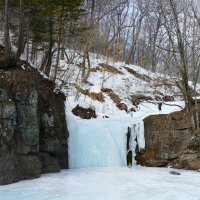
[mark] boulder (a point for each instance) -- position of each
(170, 141)
(190, 158)
(175, 173)
(166, 137)
(8, 171)
(84, 113)
(30, 166)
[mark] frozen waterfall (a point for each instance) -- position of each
(102, 142)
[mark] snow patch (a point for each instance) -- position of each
(95, 89)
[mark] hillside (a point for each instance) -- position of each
(116, 96)
(115, 89)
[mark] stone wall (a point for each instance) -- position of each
(33, 131)
(169, 141)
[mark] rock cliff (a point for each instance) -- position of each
(33, 131)
(170, 141)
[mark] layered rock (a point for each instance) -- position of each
(169, 141)
(33, 132)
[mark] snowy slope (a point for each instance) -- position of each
(127, 84)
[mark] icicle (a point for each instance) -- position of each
(133, 144)
(140, 135)
(137, 138)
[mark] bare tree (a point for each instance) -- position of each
(177, 23)
(138, 13)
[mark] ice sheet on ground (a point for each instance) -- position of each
(138, 183)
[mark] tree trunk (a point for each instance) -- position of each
(7, 45)
(21, 42)
(49, 54)
(58, 54)
(154, 60)
(86, 55)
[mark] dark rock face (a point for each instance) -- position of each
(33, 131)
(169, 141)
(49, 163)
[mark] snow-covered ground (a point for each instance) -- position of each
(137, 183)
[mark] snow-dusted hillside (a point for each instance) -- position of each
(115, 88)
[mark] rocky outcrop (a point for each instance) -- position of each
(33, 132)
(170, 141)
(166, 138)
(190, 158)
(84, 113)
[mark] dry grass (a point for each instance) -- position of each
(95, 96)
(112, 95)
(110, 69)
(136, 99)
(122, 106)
(95, 69)
(168, 98)
(115, 98)
(160, 82)
(137, 75)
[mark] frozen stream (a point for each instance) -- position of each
(122, 183)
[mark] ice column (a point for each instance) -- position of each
(139, 132)
(137, 138)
